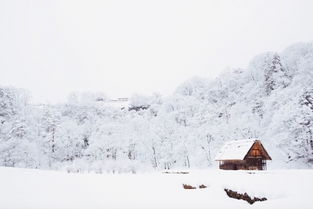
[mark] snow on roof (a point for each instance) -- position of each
(235, 150)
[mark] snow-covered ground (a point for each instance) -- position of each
(36, 189)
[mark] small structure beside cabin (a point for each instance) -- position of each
(246, 154)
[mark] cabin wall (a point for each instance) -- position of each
(233, 165)
(249, 164)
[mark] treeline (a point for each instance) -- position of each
(271, 100)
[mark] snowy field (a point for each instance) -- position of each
(35, 189)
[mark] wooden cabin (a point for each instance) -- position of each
(247, 154)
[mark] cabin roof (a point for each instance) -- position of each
(235, 150)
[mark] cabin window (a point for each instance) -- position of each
(255, 152)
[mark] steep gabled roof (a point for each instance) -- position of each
(265, 155)
(235, 150)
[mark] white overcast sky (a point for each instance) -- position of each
(121, 47)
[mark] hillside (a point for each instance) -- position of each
(271, 100)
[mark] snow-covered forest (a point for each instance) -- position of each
(271, 100)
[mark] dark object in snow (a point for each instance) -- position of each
(176, 172)
(138, 108)
(202, 186)
(243, 155)
(245, 196)
(186, 186)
